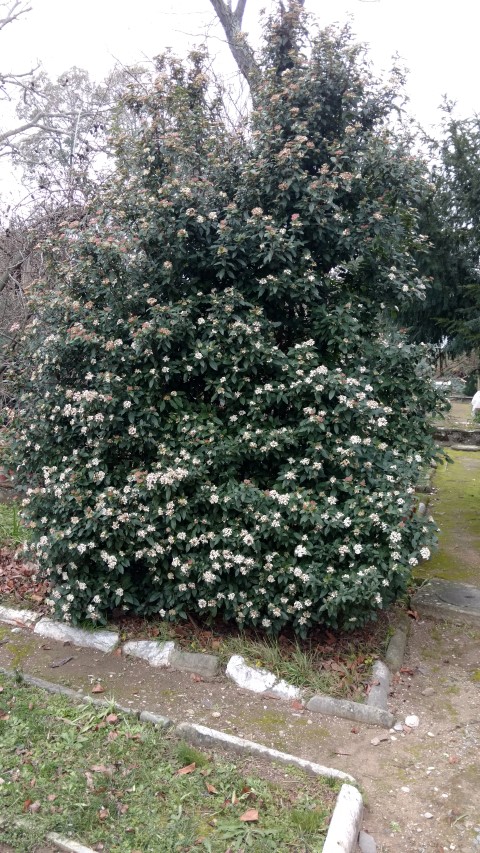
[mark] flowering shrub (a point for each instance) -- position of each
(215, 418)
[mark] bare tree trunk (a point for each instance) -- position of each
(231, 21)
(242, 53)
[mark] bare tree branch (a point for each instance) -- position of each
(13, 13)
(239, 11)
(237, 42)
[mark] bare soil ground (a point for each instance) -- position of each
(420, 785)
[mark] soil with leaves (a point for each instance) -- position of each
(118, 785)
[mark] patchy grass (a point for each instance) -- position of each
(102, 779)
(459, 415)
(454, 507)
(12, 533)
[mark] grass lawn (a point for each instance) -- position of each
(124, 787)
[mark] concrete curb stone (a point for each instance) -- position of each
(349, 710)
(260, 680)
(155, 720)
(66, 844)
(379, 686)
(204, 665)
(104, 641)
(396, 649)
(345, 824)
(23, 618)
(202, 735)
(156, 654)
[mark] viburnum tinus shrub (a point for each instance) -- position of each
(216, 418)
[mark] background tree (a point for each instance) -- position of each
(451, 219)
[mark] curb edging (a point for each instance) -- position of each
(372, 712)
(345, 823)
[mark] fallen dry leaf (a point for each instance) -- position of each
(196, 678)
(34, 807)
(98, 689)
(211, 788)
(111, 718)
(249, 816)
(101, 768)
(103, 813)
(188, 769)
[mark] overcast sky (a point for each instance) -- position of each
(438, 41)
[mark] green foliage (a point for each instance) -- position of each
(12, 531)
(450, 216)
(218, 420)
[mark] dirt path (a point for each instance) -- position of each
(432, 770)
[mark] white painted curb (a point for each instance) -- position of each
(66, 845)
(20, 618)
(104, 641)
(346, 820)
(204, 735)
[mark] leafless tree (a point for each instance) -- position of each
(231, 21)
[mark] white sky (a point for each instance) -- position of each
(437, 39)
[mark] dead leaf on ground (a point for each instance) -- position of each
(103, 813)
(111, 718)
(249, 816)
(98, 689)
(101, 768)
(188, 769)
(211, 788)
(196, 678)
(34, 807)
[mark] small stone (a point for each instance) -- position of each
(430, 734)
(428, 815)
(429, 691)
(375, 741)
(405, 789)
(412, 721)
(216, 714)
(398, 727)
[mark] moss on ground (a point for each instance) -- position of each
(455, 508)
